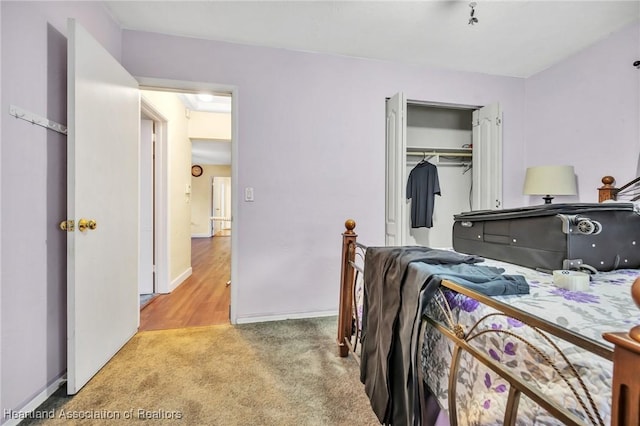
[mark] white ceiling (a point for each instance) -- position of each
(511, 38)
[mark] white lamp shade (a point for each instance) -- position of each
(550, 180)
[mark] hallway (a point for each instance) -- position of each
(203, 299)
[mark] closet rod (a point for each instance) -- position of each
(452, 164)
(440, 154)
(444, 163)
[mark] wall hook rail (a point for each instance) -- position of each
(37, 120)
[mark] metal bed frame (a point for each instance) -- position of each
(625, 355)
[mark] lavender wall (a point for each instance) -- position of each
(33, 177)
(585, 111)
(2, 406)
(311, 143)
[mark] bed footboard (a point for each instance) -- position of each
(626, 355)
(626, 372)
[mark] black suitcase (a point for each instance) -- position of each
(554, 236)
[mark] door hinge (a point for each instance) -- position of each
(498, 121)
(67, 225)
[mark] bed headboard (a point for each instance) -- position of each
(629, 191)
(626, 381)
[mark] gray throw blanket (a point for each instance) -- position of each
(394, 299)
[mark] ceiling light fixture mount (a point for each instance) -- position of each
(472, 19)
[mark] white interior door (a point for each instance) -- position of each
(221, 203)
(145, 280)
(396, 146)
(226, 200)
(103, 115)
(216, 205)
(487, 158)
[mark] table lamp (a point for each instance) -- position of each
(549, 181)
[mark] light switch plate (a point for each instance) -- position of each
(248, 194)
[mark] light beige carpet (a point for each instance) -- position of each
(275, 373)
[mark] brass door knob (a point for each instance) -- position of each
(67, 225)
(83, 224)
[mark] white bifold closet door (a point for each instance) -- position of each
(487, 158)
(396, 151)
(102, 260)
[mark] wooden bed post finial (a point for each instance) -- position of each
(607, 191)
(608, 181)
(350, 224)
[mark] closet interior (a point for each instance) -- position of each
(443, 137)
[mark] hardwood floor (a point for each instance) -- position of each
(203, 299)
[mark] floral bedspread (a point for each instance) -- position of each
(481, 394)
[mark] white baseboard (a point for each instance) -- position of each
(36, 401)
(180, 279)
(279, 317)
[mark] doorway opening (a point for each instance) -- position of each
(193, 143)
